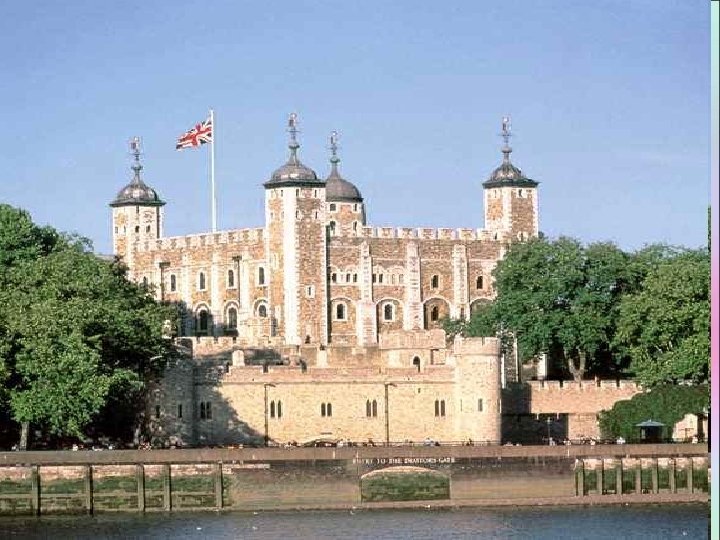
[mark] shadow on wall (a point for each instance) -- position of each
(519, 425)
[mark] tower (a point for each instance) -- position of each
(296, 246)
(511, 199)
(345, 208)
(137, 211)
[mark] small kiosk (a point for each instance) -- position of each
(651, 431)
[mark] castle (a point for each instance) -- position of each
(320, 326)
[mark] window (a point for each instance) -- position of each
(179, 410)
(333, 277)
(173, 283)
(137, 228)
(332, 228)
(479, 282)
(340, 312)
(480, 405)
(231, 279)
(355, 207)
(298, 214)
(434, 282)
(157, 411)
(388, 312)
(434, 313)
(203, 320)
(355, 226)
(380, 278)
(310, 291)
(145, 281)
(416, 363)
(333, 207)
(439, 407)
(261, 275)
(354, 278)
(205, 410)
(147, 228)
(201, 281)
(279, 409)
(297, 192)
(262, 311)
(374, 278)
(371, 408)
(232, 318)
(347, 278)
(272, 409)
(326, 409)
(116, 230)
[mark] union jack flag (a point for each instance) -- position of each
(200, 134)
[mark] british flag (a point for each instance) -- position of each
(199, 135)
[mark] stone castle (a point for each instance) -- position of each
(320, 326)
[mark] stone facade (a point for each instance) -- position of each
(317, 310)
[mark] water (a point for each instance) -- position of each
(621, 522)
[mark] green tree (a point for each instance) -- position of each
(665, 326)
(74, 332)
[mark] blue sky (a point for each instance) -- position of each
(609, 102)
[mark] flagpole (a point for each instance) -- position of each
(212, 172)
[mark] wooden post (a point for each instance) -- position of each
(88, 489)
(619, 477)
(638, 477)
(140, 479)
(599, 476)
(218, 486)
(654, 476)
(35, 489)
(167, 488)
(690, 479)
(671, 475)
(580, 484)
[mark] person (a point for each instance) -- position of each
(620, 440)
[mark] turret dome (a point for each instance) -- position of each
(293, 172)
(136, 192)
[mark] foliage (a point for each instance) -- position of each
(74, 332)
(667, 404)
(665, 327)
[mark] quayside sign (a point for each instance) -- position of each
(405, 461)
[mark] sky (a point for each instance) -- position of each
(609, 103)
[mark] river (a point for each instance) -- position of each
(601, 522)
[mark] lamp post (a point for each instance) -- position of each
(265, 388)
(387, 413)
(548, 421)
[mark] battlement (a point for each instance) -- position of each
(193, 241)
(428, 233)
(585, 386)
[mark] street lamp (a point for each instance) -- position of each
(548, 421)
(387, 413)
(265, 388)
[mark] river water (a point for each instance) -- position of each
(616, 522)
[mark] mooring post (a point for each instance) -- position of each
(671, 475)
(654, 475)
(619, 477)
(35, 489)
(580, 474)
(140, 480)
(218, 485)
(88, 489)
(599, 476)
(690, 478)
(167, 488)
(638, 477)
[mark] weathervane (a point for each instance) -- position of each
(506, 138)
(292, 129)
(135, 151)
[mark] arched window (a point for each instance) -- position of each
(262, 311)
(332, 228)
(333, 277)
(355, 226)
(232, 318)
(231, 279)
(479, 282)
(442, 407)
(435, 282)
(279, 409)
(261, 275)
(374, 407)
(272, 409)
(173, 283)
(201, 281)
(434, 313)
(347, 278)
(329, 409)
(145, 281)
(323, 411)
(388, 312)
(340, 312)
(203, 320)
(437, 407)
(368, 409)
(416, 363)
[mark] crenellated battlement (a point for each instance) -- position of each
(194, 241)
(424, 233)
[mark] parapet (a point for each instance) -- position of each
(237, 236)
(424, 233)
(476, 346)
(412, 339)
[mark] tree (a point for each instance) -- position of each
(559, 297)
(74, 332)
(667, 404)
(665, 327)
